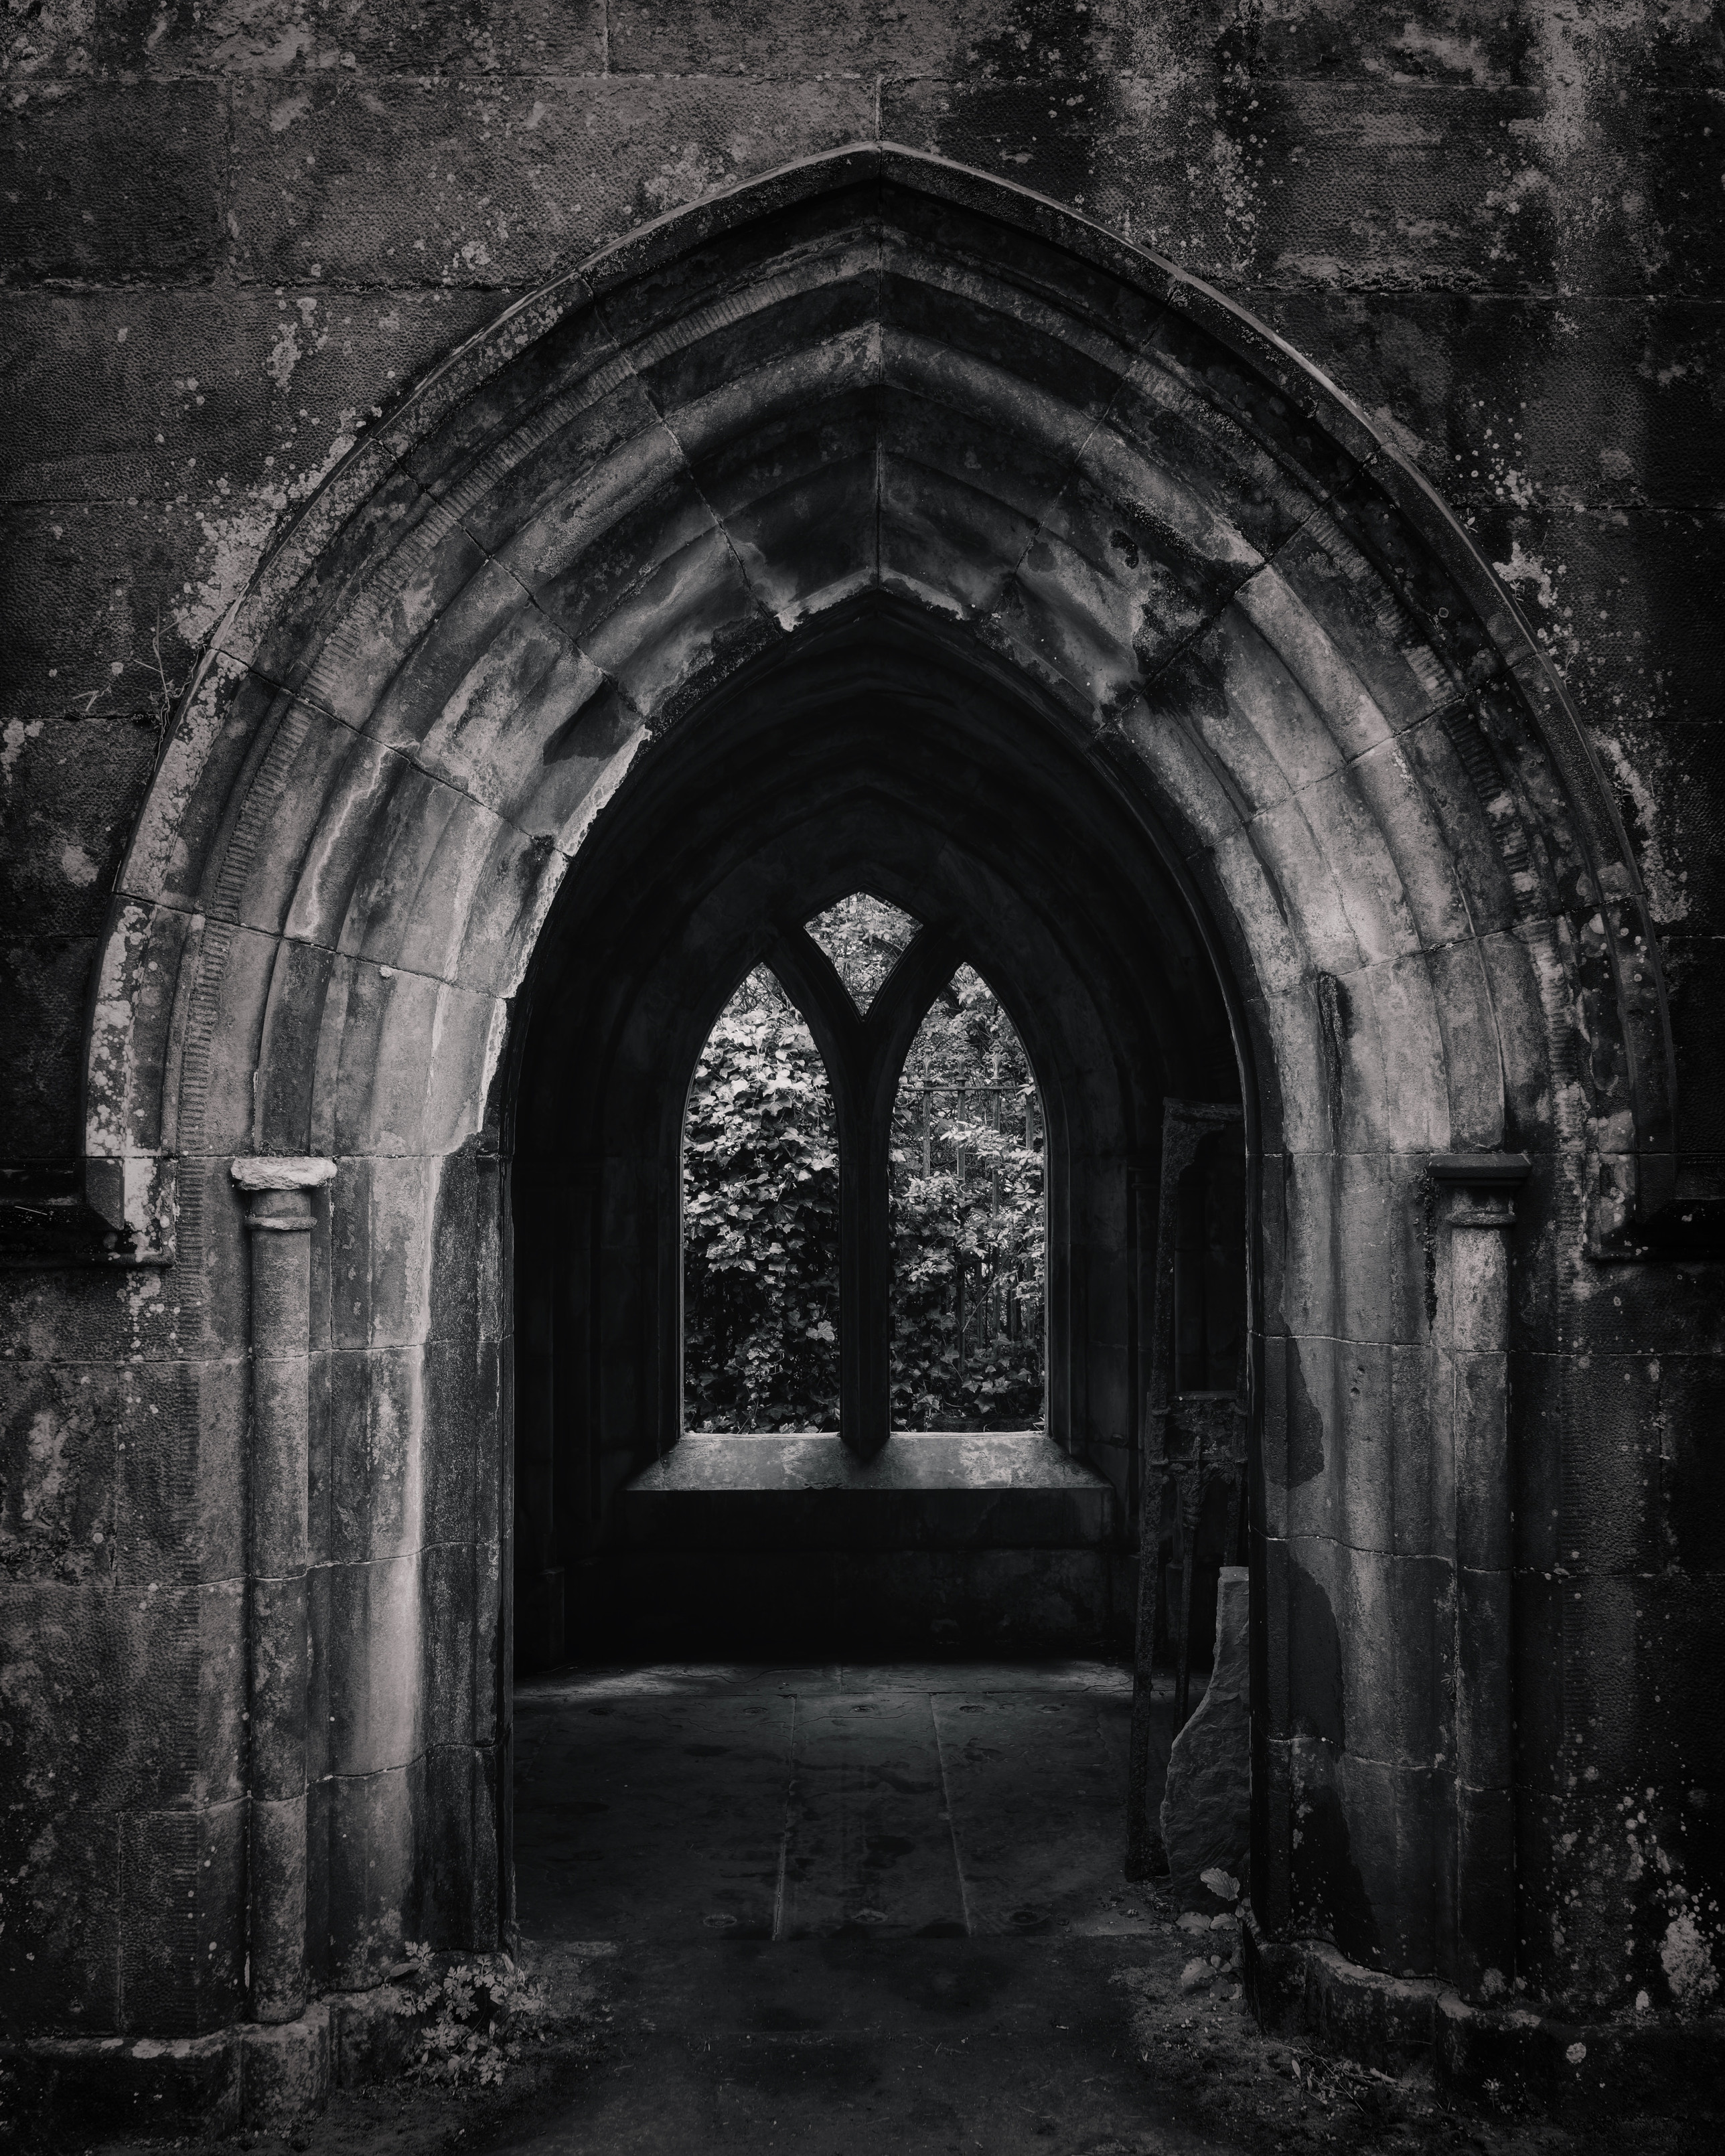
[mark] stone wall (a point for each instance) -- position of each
(236, 233)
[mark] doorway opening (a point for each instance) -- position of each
(952, 932)
(882, 527)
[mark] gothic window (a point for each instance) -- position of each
(819, 1173)
(760, 1224)
(863, 937)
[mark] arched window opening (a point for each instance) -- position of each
(760, 1224)
(969, 1222)
(865, 937)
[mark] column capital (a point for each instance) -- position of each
(1495, 1171)
(282, 1172)
(1477, 1190)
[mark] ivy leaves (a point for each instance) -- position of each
(968, 1236)
(761, 1224)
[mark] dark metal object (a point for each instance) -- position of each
(1192, 1462)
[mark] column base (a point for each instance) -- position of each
(1513, 2057)
(1304, 1988)
(250, 2075)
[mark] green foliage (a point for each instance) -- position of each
(761, 1212)
(969, 1235)
(865, 937)
(761, 1224)
(472, 2016)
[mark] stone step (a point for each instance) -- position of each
(803, 1490)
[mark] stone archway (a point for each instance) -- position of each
(876, 382)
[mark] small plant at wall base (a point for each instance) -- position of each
(473, 2015)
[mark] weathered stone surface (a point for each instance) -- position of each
(68, 218)
(1498, 235)
(42, 979)
(89, 607)
(90, 2084)
(66, 816)
(721, 36)
(285, 39)
(1618, 412)
(471, 182)
(285, 2072)
(1206, 1812)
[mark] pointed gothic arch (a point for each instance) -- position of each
(747, 519)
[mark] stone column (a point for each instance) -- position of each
(278, 1214)
(1474, 1209)
(864, 1055)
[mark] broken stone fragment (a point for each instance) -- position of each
(1206, 1812)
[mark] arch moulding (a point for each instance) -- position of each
(1188, 478)
(871, 399)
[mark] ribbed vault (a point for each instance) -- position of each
(868, 751)
(871, 414)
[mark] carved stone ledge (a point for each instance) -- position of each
(282, 1172)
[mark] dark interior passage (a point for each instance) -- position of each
(943, 830)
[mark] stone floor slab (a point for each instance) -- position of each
(927, 1799)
